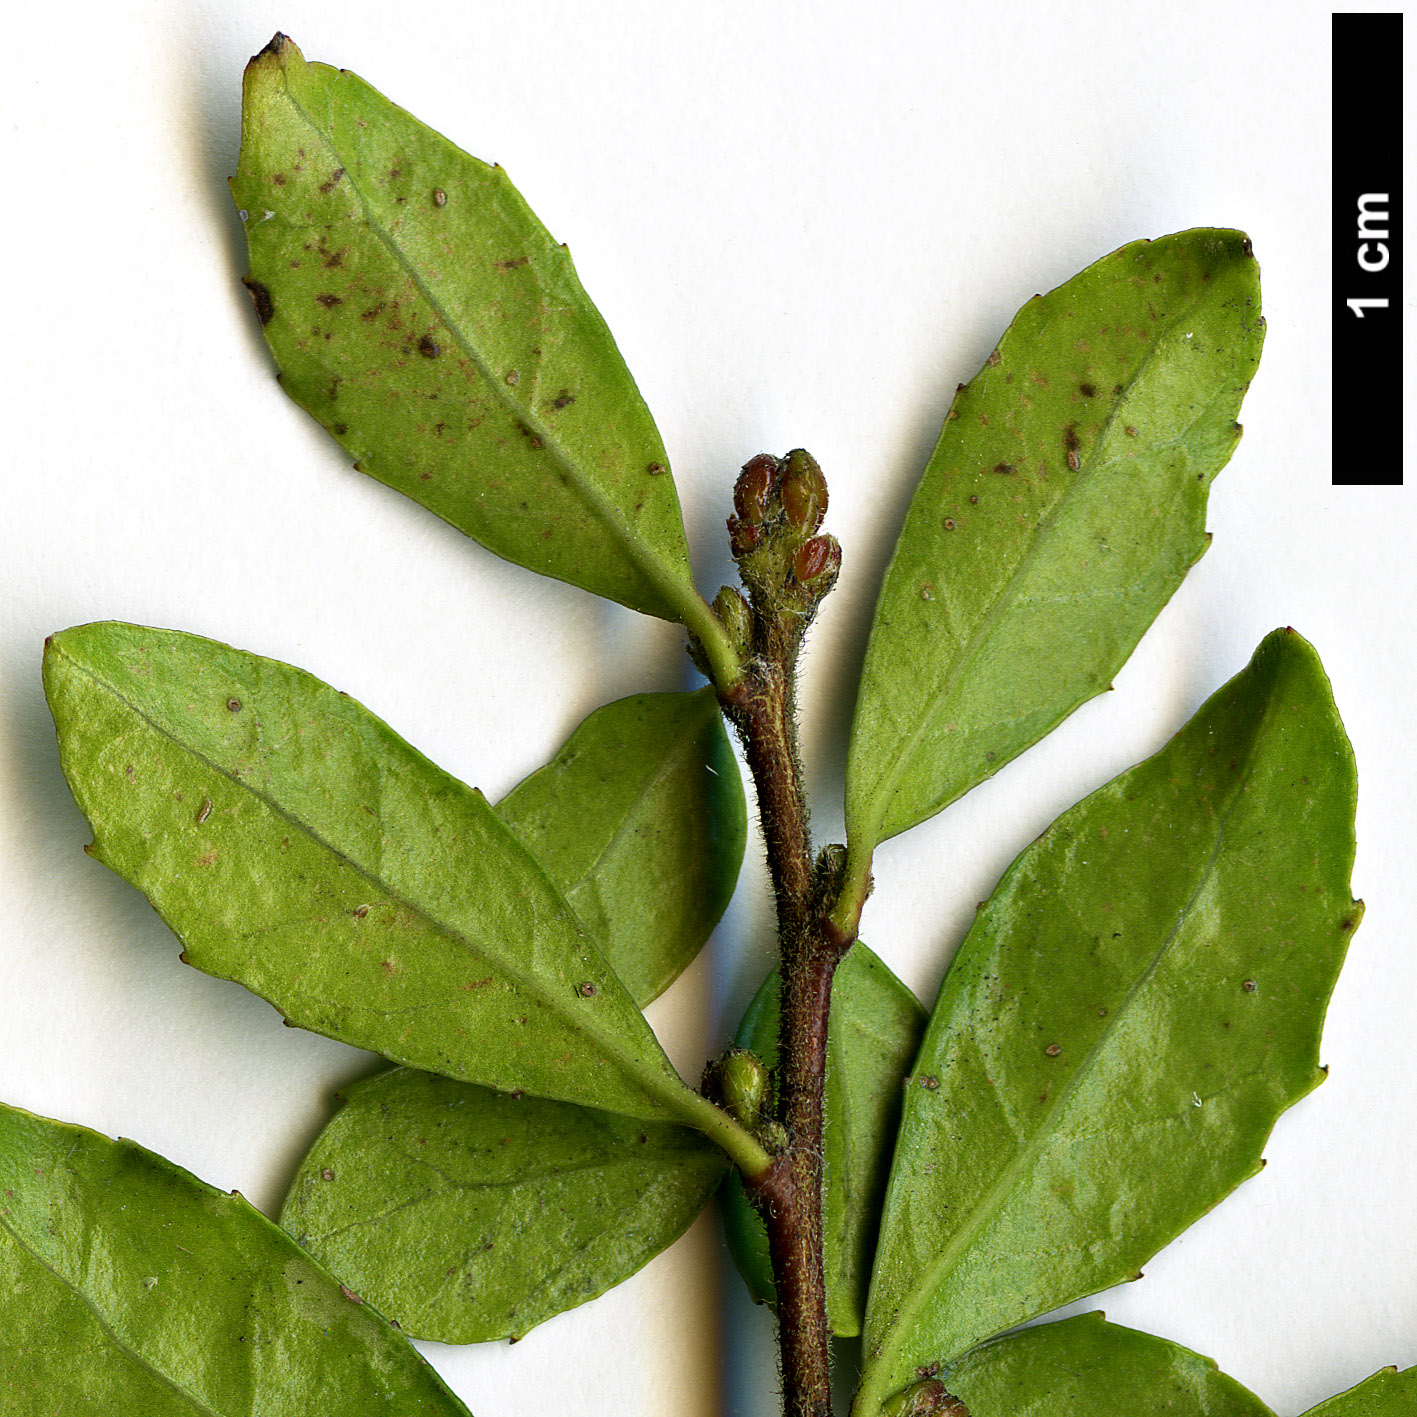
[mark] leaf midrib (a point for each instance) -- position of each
(907, 1312)
(649, 1079)
(1045, 532)
(106, 1325)
(532, 1181)
(602, 510)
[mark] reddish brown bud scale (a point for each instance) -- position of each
(804, 491)
(753, 491)
(810, 560)
(815, 558)
(743, 537)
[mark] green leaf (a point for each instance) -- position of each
(296, 844)
(1386, 1394)
(1135, 1005)
(874, 1029)
(640, 822)
(1085, 1367)
(467, 1215)
(1060, 509)
(419, 310)
(129, 1286)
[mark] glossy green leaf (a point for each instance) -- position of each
(874, 1030)
(466, 1214)
(127, 1286)
(419, 310)
(1135, 1005)
(1060, 509)
(640, 822)
(1086, 1367)
(1388, 1393)
(299, 846)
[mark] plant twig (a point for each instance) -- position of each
(787, 569)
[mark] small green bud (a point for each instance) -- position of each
(745, 1086)
(773, 1136)
(737, 619)
(804, 491)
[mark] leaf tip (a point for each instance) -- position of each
(275, 50)
(273, 63)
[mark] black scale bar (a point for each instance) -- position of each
(1367, 250)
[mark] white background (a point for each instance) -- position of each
(805, 226)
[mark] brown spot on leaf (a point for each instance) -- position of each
(329, 186)
(1072, 446)
(234, 705)
(327, 1174)
(565, 399)
(260, 300)
(373, 312)
(993, 359)
(586, 989)
(1053, 1049)
(360, 912)
(339, 429)
(1003, 468)
(1088, 391)
(656, 469)
(513, 263)
(206, 858)
(427, 348)
(329, 301)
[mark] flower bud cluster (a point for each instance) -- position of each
(778, 506)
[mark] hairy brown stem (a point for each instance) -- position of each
(789, 1194)
(787, 568)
